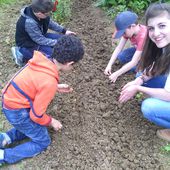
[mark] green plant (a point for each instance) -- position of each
(165, 149)
(139, 97)
(114, 6)
(138, 6)
(63, 11)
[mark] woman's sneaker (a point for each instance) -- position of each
(18, 57)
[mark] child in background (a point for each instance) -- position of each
(155, 63)
(127, 28)
(27, 96)
(31, 31)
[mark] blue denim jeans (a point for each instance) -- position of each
(156, 110)
(155, 82)
(24, 127)
(126, 55)
(47, 50)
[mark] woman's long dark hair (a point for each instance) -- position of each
(155, 61)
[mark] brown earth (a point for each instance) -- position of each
(98, 132)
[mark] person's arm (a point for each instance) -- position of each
(114, 55)
(159, 93)
(136, 57)
(129, 92)
(36, 35)
(56, 27)
(44, 95)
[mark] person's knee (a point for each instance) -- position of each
(121, 58)
(148, 108)
(46, 142)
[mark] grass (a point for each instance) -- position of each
(3, 2)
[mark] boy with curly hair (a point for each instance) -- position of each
(27, 96)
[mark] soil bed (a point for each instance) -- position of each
(98, 132)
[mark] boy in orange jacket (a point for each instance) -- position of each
(27, 96)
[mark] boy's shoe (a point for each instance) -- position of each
(164, 134)
(17, 56)
(3, 141)
(1, 157)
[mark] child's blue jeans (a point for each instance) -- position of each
(156, 110)
(47, 50)
(126, 55)
(24, 127)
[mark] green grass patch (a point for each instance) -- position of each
(4, 2)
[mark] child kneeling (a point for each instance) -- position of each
(27, 96)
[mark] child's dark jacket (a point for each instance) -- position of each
(30, 31)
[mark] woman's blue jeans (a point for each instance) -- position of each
(24, 127)
(47, 50)
(156, 110)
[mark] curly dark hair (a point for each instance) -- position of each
(43, 6)
(68, 48)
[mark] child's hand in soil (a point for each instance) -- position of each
(56, 124)
(64, 88)
(70, 32)
(113, 77)
(107, 70)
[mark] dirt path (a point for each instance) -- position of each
(98, 133)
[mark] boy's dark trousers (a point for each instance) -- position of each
(47, 50)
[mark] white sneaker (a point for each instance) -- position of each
(17, 56)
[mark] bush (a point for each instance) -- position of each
(63, 11)
(114, 6)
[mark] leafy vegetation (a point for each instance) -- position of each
(114, 6)
(63, 11)
(166, 148)
(3, 2)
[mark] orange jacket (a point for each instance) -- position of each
(39, 81)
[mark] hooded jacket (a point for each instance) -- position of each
(39, 81)
(30, 31)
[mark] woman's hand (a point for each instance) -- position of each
(128, 93)
(64, 88)
(129, 84)
(137, 81)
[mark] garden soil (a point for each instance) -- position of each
(98, 132)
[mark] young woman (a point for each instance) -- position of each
(155, 64)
